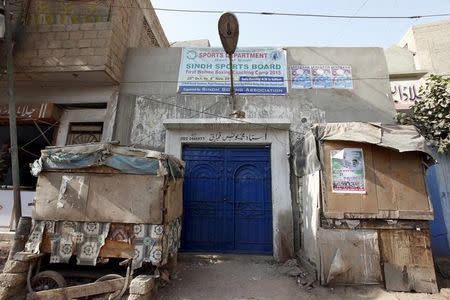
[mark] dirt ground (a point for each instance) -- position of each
(210, 277)
(4, 250)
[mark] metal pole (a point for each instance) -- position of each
(232, 92)
(17, 208)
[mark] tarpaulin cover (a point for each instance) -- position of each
(402, 138)
(125, 159)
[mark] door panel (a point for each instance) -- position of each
(227, 200)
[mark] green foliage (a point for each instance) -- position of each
(431, 113)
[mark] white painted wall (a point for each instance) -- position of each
(274, 132)
(6, 206)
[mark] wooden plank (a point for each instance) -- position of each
(110, 249)
(383, 178)
(407, 261)
(409, 188)
(79, 291)
(375, 224)
(173, 200)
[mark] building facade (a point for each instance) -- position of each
(424, 50)
(224, 154)
(69, 58)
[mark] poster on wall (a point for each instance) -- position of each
(301, 77)
(255, 71)
(321, 77)
(347, 171)
(342, 77)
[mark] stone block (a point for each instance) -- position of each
(90, 34)
(69, 44)
(100, 51)
(99, 43)
(42, 44)
(140, 297)
(73, 52)
(58, 27)
(36, 62)
(28, 53)
(45, 52)
(73, 27)
(57, 53)
(14, 266)
(106, 34)
(87, 26)
(62, 35)
(87, 51)
(102, 25)
(85, 43)
(96, 60)
(53, 44)
(76, 35)
(142, 285)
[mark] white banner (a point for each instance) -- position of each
(255, 71)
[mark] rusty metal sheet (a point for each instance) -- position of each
(349, 257)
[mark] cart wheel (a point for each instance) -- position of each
(47, 280)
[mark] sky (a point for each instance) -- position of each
(276, 31)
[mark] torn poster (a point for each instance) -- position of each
(347, 171)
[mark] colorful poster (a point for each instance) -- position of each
(342, 77)
(255, 71)
(347, 171)
(321, 77)
(301, 77)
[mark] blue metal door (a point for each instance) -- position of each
(439, 241)
(227, 200)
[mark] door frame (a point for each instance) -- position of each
(250, 132)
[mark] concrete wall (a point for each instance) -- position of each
(431, 45)
(154, 73)
(400, 60)
(149, 96)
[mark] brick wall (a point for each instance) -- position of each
(130, 29)
(49, 48)
(85, 46)
(48, 12)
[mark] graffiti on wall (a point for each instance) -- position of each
(405, 93)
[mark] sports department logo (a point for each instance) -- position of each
(191, 54)
(275, 55)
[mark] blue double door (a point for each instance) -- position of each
(227, 200)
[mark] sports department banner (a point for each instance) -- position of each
(255, 71)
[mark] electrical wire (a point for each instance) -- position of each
(270, 13)
(299, 14)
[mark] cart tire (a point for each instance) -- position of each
(47, 280)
